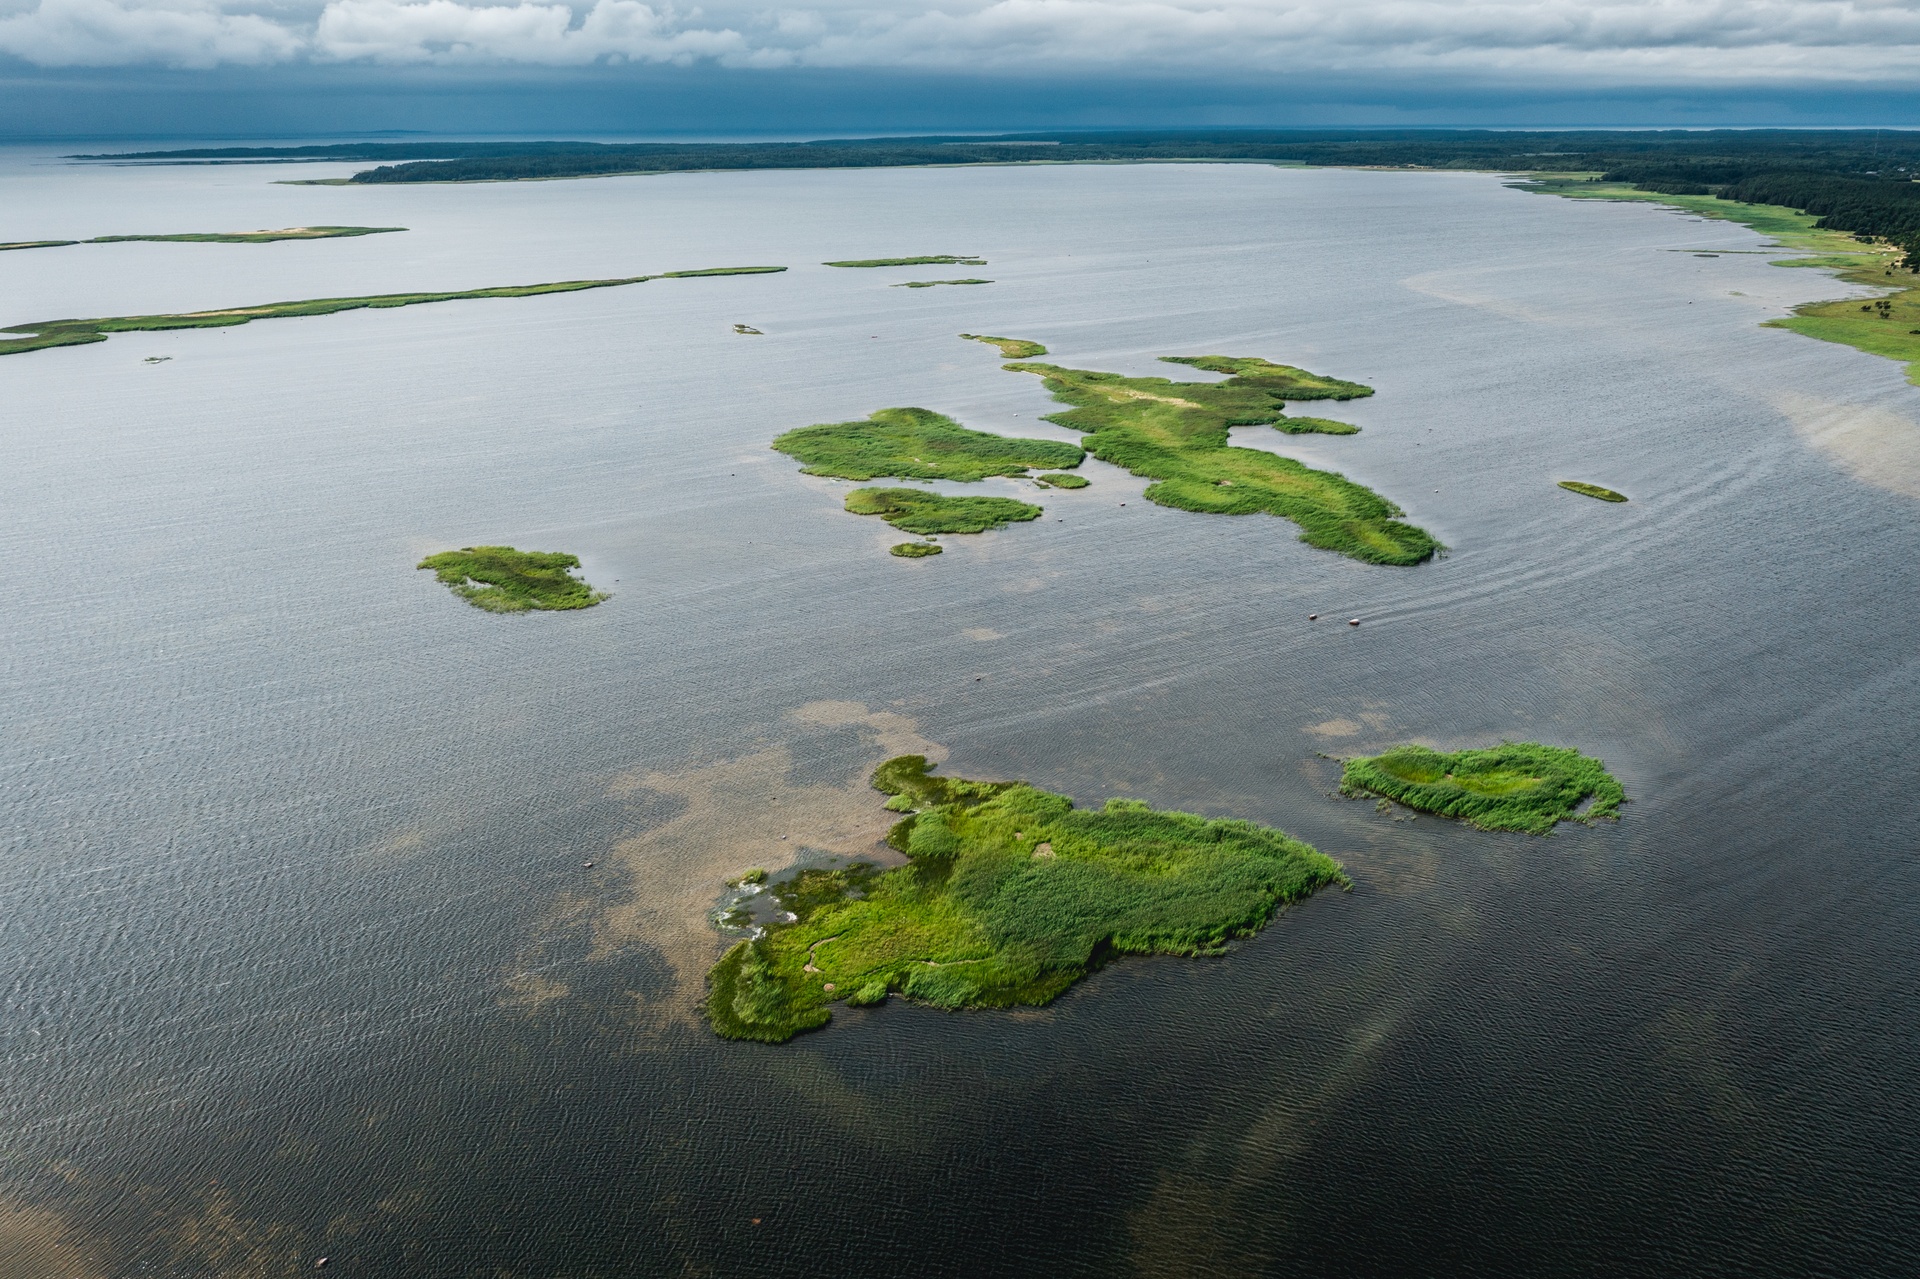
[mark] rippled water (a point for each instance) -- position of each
(301, 954)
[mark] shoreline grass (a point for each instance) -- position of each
(918, 444)
(1010, 895)
(1519, 786)
(501, 579)
(46, 334)
(1591, 490)
(918, 511)
(937, 259)
(1176, 434)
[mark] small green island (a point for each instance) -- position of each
(216, 237)
(1176, 434)
(1592, 490)
(1010, 894)
(501, 579)
(937, 259)
(918, 444)
(1521, 786)
(914, 550)
(1011, 348)
(1060, 481)
(927, 284)
(52, 333)
(918, 511)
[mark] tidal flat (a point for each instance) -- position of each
(1010, 894)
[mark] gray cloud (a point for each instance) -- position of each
(1617, 42)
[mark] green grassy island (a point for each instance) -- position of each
(914, 550)
(1520, 786)
(1176, 433)
(918, 444)
(216, 237)
(51, 333)
(938, 259)
(1009, 896)
(918, 511)
(927, 284)
(1011, 348)
(1592, 490)
(501, 579)
(1063, 481)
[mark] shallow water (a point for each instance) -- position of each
(302, 957)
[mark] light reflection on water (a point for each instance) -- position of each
(303, 956)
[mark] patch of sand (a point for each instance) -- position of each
(1876, 446)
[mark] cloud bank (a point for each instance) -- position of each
(1620, 42)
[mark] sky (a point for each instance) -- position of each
(741, 67)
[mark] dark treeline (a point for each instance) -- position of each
(1855, 180)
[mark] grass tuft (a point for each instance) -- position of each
(1520, 786)
(503, 580)
(1010, 895)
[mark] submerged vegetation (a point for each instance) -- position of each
(927, 284)
(1009, 896)
(1521, 786)
(1011, 348)
(501, 579)
(1592, 490)
(914, 550)
(918, 511)
(918, 444)
(1176, 433)
(216, 237)
(938, 259)
(51, 333)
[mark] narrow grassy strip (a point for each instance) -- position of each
(51, 333)
(501, 579)
(36, 244)
(927, 284)
(1592, 490)
(216, 237)
(1010, 895)
(1176, 434)
(918, 511)
(1887, 326)
(1011, 348)
(1521, 786)
(938, 259)
(918, 444)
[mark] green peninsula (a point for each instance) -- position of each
(1176, 433)
(216, 237)
(501, 579)
(51, 333)
(1009, 896)
(918, 511)
(1520, 786)
(927, 284)
(1012, 348)
(1592, 490)
(938, 259)
(918, 444)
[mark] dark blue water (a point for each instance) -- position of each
(301, 956)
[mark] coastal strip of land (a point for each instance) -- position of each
(216, 237)
(1010, 894)
(52, 333)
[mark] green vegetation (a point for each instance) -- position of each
(927, 284)
(1009, 896)
(918, 511)
(503, 580)
(918, 444)
(747, 329)
(217, 237)
(50, 333)
(941, 259)
(1011, 348)
(1063, 481)
(1592, 490)
(914, 550)
(1175, 433)
(1514, 786)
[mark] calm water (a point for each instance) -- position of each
(301, 957)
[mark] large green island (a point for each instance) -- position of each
(1522, 786)
(50, 333)
(1009, 896)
